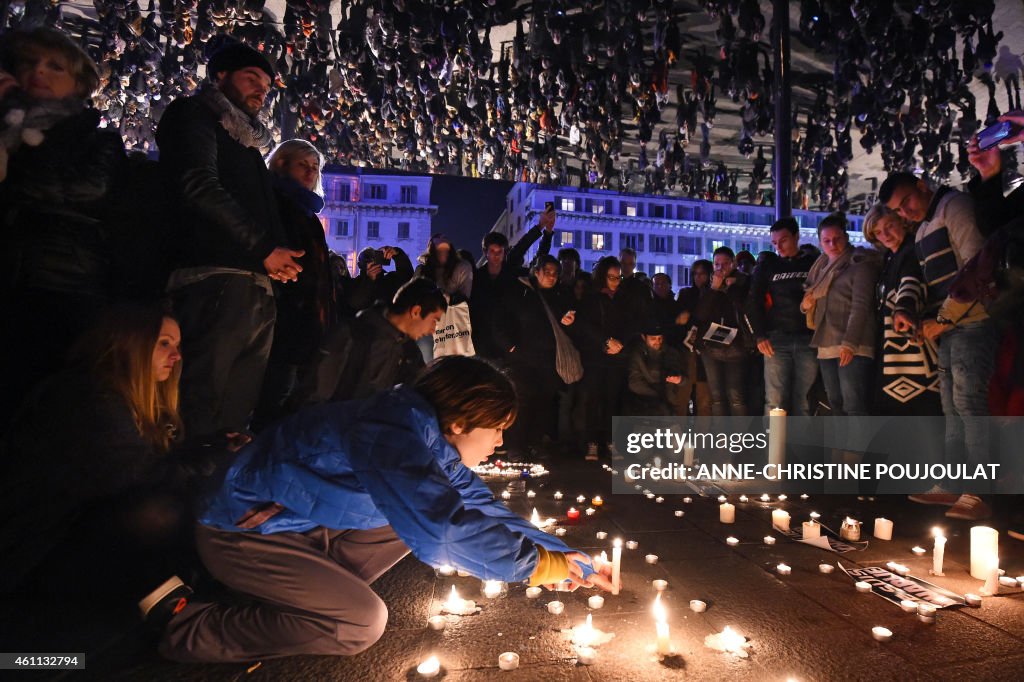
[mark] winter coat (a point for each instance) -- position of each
(524, 324)
(227, 205)
(776, 290)
(602, 317)
(646, 394)
(53, 206)
(725, 307)
(362, 292)
(846, 317)
(366, 464)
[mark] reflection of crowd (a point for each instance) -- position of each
(268, 336)
(418, 86)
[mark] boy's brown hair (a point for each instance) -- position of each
(469, 392)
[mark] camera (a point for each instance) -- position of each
(379, 259)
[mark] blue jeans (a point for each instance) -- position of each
(848, 387)
(789, 374)
(725, 382)
(966, 361)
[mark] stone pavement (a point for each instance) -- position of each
(805, 626)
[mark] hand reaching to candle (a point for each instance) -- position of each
(590, 576)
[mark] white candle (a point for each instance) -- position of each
(926, 609)
(780, 519)
(908, 605)
(651, 558)
(805, 496)
(659, 584)
(731, 541)
(649, 495)
(664, 646)
(881, 634)
(558, 495)
(862, 586)
(508, 660)
(437, 622)
(811, 530)
(938, 551)
(560, 532)
(722, 498)
(697, 606)
(581, 499)
(600, 560)
(616, 565)
(784, 569)
(533, 592)
(1007, 581)
(586, 655)
(446, 570)
(776, 436)
(556, 608)
(727, 513)
(679, 513)
(632, 544)
(744, 498)
(766, 498)
(584, 635)
(826, 568)
(601, 535)
(783, 497)
(531, 494)
(883, 529)
(591, 511)
(595, 602)
(492, 588)
(918, 551)
(506, 495)
(984, 546)
(972, 599)
(659, 500)
(688, 456)
(687, 500)
(769, 539)
(429, 667)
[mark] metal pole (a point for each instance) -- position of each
(782, 164)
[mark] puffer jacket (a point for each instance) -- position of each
(366, 464)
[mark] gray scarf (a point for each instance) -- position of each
(243, 129)
(24, 120)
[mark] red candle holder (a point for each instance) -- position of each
(573, 514)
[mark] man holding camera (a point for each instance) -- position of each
(374, 283)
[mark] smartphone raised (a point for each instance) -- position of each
(549, 206)
(994, 134)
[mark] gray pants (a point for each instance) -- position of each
(309, 593)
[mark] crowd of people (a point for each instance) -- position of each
(421, 86)
(293, 412)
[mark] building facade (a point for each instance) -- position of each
(668, 233)
(376, 210)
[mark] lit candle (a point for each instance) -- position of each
(687, 500)
(560, 532)
(783, 497)
(601, 535)
(492, 588)
(600, 560)
(555, 608)
(731, 541)
(659, 500)
(727, 513)
(572, 513)
(580, 499)
(616, 565)
(862, 586)
(815, 516)
(632, 544)
(679, 513)
(805, 496)
(659, 584)
(595, 602)
(938, 551)
(909, 605)
(850, 530)
(697, 606)
(586, 655)
(744, 498)
(651, 558)
(508, 660)
(584, 635)
(649, 495)
(780, 519)
(558, 495)
(437, 622)
(926, 609)
(661, 624)
(769, 539)
(881, 634)
(883, 528)
(811, 530)
(722, 498)
(984, 546)
(429, 667)
(533, 592)
(590, 511)
(766, 498)
(506, 495)
(531, 494)
(826, 568)
(898, 569)
(784, 569)
(535, 519)
(776, 436)
(446, 570)
(597, 501)
(918, 551)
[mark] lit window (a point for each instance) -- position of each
(566, 238)
(597, 242)
(631, 209)
(597, 208)
(568, 204)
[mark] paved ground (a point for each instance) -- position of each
(806, 626)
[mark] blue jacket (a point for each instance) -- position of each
(366, 464)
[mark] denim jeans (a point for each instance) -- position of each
(789, 374)
(848, 387)
(725, 381)
(966, 362)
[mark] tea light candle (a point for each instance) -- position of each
(898, 569)
(862, 586)
(909, 605)
(572, 513)
(601, 535)
(928, 620)
(651, 558)
(722, 498)
(850, 530)
(679, 513)
(586, 655)
(560, 532)
(664, 645)
(429, 667)
(590, 511)
(881, 634)
(926, 609)
(883, 529)
(688, 453)
(533, 592)
(826, 568)
(595, 602)
(508, 660)
(506, 495)
(766, 498)
(744, 498)
(649, 495)
(783, 497)
(558, 495)
(492, 588)
(918, 551)
(580, 499)
(659, 500)
(446, 570)
(597, 501)
(769, 539)
(805, 496)
(616, 565)
(815, 516)
(811, 530)
(1007, 581)
(632, 544)
(731, 541)
(784, 569)
(555, 608)
(727, 513)
(659, 584)
(780, 519)
(687, 500)
(697, 606)
(531, 494)
(437, 622)
(972, 599)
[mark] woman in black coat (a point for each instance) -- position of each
(305, 308)
(57, 168)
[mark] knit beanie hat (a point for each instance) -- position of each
(231, 56)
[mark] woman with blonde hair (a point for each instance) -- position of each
(305, 308)
(907, 377)
(94, 466)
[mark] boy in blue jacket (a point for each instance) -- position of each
(325, 502)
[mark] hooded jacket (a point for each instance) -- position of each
(365, 464)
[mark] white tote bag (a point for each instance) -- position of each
(454, 334)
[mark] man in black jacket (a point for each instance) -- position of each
(373, 283)
(233, 242)
(779, 328)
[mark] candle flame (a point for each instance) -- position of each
(535, 518)
(731, 639)
(429, 665)
(617, 543)
(850, 522)
(658, 610)
(937, 532)
(453, 598)
(603, 556)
